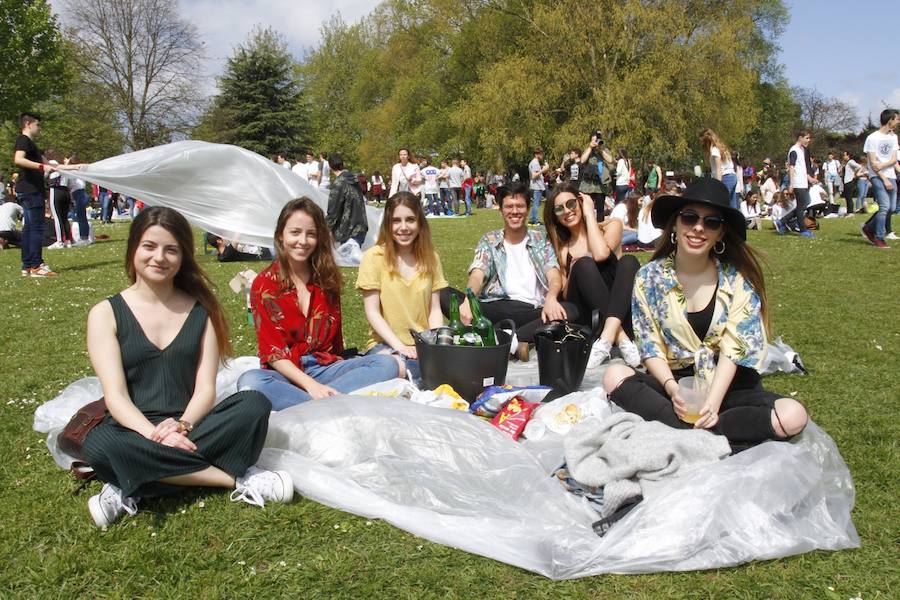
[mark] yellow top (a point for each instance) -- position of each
(405, 302)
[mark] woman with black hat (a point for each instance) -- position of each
(700, 309)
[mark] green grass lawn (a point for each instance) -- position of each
(836, 300)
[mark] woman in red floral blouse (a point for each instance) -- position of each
(296, 304)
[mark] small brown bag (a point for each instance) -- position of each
(71, 438)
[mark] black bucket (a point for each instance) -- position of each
(467, 369)
(563, 349)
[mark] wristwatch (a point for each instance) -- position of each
(186, 426)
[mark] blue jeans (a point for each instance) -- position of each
(629, 237)
(434, 204)
(468, 195)
(105, 207)
(730, 181)
(344, 375)
(445, 200)
(412, 364)
(535, 205)
(81, 203)
(621, 193)
(32, 229)
(887, 204)
(862, 187)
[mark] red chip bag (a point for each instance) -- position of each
(514, 416)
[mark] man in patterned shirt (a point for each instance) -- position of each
(515, 273)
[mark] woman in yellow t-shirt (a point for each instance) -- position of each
(400, 278)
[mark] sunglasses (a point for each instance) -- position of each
(710, 222)
(569, 204)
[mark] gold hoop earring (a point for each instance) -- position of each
(717, 249)
(672, 238)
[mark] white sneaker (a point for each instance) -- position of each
(891, 236)
(55, 246)
(257, 486)
(630, 353)
(599, 354)
(108, 506)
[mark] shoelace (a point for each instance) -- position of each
(248, 494)
(130, 505)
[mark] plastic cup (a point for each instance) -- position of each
(694, 399)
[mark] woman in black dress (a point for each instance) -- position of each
(156, 347)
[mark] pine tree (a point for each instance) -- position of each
(260, 104)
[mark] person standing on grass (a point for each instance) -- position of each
(405, 175)
(832, 170)
(881, 149)
(30, 194)
(851, 173)
(346, 215)
(515, 273)
(799, 173)
(454, 182)
(156, 347)
(536, 184)
(721, 165)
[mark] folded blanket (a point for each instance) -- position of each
(623, 452)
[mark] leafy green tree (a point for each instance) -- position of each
(260, 105)
(32, 67)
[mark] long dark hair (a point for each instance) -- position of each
(324, 271)
(190, 279)
(633, 205)
(423, 247)
(737, 253)
(558, 233)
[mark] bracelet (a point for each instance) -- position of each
(41, 167)
(667, 381)
(185, 426)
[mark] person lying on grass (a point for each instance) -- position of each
(400, 278)
(296, 305)
(155, 347)
(700, 309)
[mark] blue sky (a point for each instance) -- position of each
(828, 45)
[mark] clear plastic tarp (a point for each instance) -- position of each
(232, 192)
(453, 478)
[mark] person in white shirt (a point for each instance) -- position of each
(536, 184)
(301, 169)
(800, 179)
(454, 182)
(628, 213)
(279, 159)
(851, 172)
(832, 176)
(881, 148)
(721, 165)
(10, 215)
(405, 175)
(324, 172)
(752, 210)
(431, 189)
(312, 173)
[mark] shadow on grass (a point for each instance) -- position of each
(93, 265)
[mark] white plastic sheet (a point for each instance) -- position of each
(452, 478)
(232, 192)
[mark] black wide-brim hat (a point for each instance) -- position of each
(705, 190)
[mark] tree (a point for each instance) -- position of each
(259, 106)
(825, 115)
(31, 57)
(146, 58)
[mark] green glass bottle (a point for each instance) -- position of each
(457, 329)
(481, 324)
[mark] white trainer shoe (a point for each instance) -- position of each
(257, 486)
(630, 353)
(108, 506)
(599, 354)
(55, 246)
(891, 236)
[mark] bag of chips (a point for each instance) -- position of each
(514, 416)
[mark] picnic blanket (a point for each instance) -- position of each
(454, 479)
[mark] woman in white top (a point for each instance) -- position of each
(751, 210)
(623, 175)
(627, 212)
(769, 186)
(405, 176)
(647, 232)
(721, 166)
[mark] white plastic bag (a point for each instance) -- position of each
(454, 479)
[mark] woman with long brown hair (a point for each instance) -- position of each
(400, 278)
(156, 347)
(721, 164)
(700, 309)
(296, 305)
(595, 276)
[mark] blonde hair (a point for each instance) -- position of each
(708, 140)
(423, 247)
